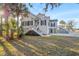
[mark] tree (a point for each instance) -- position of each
(15, 9)
(52, 5)
(12, 27)
(1, 19)
(70, 25)
(18, 10)
(62, 22)
(1, 25)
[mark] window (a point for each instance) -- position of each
(31, 22)
(36, 22)
(27, 23)
(23, 23)
(43, 22)
(52, 24)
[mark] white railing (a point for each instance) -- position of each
(40, 33)
(64, 29)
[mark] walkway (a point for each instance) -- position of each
(70, 35)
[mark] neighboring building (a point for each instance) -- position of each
(39, 24)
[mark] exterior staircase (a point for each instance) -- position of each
(63, 30)
(37, 31)
(34, 31)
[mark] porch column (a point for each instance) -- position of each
(47, 27)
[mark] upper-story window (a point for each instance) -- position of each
(36, 22)
(53, 24)
(31, 22)
(43, 22)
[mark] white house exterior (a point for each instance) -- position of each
(40, 24)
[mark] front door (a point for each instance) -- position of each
(50, 31)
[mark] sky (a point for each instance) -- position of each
(66, 12)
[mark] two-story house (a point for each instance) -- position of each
(39, 24)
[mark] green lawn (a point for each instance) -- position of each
(37, 46)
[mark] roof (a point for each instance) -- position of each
(54, 20)
(38, 16)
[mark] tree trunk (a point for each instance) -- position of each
(11, 32)
(1, 27)
(7, 29)
(21, 29)
(17, 26)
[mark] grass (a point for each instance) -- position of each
(1, 50)
(7, 48)
(36, 45)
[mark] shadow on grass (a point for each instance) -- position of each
(63, 53)
(72, 53)
(20, 47)
(9, 49)
(25, 48)
(30, 49)
(7, 52)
